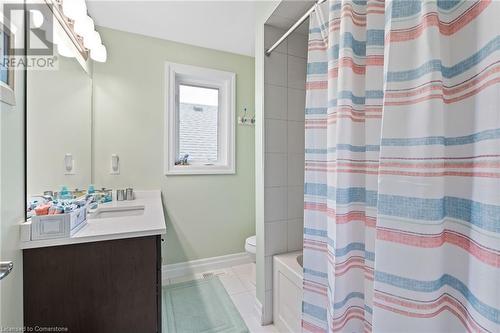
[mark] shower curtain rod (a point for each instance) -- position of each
(293, 27)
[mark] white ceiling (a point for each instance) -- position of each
(221, 25)
(288, 12)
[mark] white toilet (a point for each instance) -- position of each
(251, 246)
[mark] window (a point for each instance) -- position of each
(198, 124)
(7, 40)
(199, 115)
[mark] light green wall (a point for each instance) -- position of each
(206, 216)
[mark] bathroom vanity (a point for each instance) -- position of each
(105, 278)
(102, 276)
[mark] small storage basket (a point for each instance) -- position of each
(58, 226)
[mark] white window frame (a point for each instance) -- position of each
(225, 82)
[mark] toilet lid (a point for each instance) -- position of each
(251, 241)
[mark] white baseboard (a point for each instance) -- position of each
(202, 265)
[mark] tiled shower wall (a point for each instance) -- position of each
(284, 105)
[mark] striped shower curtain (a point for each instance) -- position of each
(402, 192)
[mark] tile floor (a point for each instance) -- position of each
(239, 282)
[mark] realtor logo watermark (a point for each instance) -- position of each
(39, 50)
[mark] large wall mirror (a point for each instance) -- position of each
(59, 122)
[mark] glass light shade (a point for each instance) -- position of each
(64, 50)
(84, 26)
(92, 40)
(99, 53)
(59, 35)
(36, 18)
(74, 9)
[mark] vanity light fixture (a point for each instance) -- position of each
(92, 41)
(99, 53)
(80, 26)
(63, 45)
(74, 9)
(84, 26)
(65, 51)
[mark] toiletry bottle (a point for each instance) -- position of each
(64, 193)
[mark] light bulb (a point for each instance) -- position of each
(65, 51)
(84, 26)
(92, 40)
(99, 53)
(74, 9)
(59, 36)
(36, 18)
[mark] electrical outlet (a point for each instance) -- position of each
(115, 164)
(69, 164)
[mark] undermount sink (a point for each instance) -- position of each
(107, 212)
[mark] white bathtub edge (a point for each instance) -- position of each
(287, 289)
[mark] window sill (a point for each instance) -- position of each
(199, 170)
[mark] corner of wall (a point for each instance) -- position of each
(264, 11)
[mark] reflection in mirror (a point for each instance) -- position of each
(59, 125)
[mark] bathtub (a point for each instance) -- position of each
(287, 291)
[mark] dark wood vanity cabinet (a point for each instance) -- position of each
(107, 286)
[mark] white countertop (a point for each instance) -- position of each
(151, 222)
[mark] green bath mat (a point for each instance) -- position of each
(199, 306)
